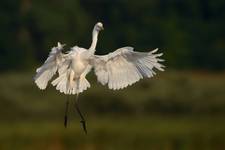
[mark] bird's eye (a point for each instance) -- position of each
(98, 28)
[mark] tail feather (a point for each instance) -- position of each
(83, 84)
(63, 84)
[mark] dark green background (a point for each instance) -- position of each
(191, 33)
(182, 108)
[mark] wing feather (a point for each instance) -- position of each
(124, 67)
(55, 61)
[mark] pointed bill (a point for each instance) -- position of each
(60, 46)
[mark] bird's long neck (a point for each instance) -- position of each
(94, 41)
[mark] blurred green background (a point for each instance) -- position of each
(182, 108)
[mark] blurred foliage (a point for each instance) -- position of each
(158, 133)
(191, 33)
(174, 111)
(172, 93)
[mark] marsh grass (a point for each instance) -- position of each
(173, 111)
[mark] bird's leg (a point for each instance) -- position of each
(66, 112)
(82, 121)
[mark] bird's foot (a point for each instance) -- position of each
(65, 121)
(84, 126)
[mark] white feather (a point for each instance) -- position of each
(124, 67)
(49, 68)
(71, 78)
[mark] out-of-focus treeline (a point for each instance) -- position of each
(191, 33)
(179, 109)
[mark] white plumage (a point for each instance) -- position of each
(49, 68)
(125, 67)
(118, 69)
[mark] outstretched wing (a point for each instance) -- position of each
(124, 67)
(55, 61)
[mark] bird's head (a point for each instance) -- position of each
(99, 26)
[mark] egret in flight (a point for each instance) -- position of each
(117, 70)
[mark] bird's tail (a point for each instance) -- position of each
(64, 85)
(83, 84)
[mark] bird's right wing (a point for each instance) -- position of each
(56, 61)
(124, 67)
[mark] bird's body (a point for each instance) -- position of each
(118, 69)
(72, 72)
(79, 62)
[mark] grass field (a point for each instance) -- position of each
(173, 111)
(158, 133)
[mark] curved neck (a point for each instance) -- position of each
(94, 41)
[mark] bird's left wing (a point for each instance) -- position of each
(124, 67)
(55, 61)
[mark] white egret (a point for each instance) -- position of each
(118, 69)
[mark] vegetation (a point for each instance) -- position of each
(131, 133)
(191, 33)
(169, 93)
(175, 110)
(180, 109)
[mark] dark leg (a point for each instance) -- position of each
(80, 114)
(66, 112)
